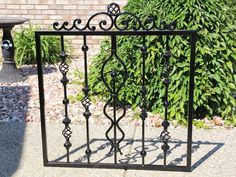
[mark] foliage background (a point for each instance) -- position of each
(24, 41)
(215, 59)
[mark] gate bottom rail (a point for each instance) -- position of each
(118, 166)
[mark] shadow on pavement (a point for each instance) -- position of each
(152, 145)
(11, 143)
(13, 109)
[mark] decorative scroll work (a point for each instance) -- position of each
(117, 20)
(114, 87)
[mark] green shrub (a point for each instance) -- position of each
(215, 59)
(232, 4)
(26, 51)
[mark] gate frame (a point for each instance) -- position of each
(158, 32)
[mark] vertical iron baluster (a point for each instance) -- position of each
(114, 90)
(143, 90)
(64, 68)
(114, 95)
(86, 101)
(165, 134)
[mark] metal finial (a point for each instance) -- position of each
(113, 9)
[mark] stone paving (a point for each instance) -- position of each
(21, 155)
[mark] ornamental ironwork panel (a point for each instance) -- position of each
(117, 23)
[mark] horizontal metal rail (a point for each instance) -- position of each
(118, 166)
(119, 33)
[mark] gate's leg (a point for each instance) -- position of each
(191, 100)
(41, 98)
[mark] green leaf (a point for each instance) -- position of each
(232, 86)
(229, 65)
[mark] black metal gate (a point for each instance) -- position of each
(128, 25)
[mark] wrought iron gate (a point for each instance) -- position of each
(120, 24)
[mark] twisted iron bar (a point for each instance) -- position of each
(64, 68)
(165, 134)
(118, 20)
(86, 101)
(114, 90)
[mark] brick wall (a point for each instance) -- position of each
(45, 12)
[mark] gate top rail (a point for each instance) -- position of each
(124, 33)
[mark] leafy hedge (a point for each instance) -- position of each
(26, 50)
(215, 59)
(232, 4)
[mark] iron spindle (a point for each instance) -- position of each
(114, 89)
(165, 134)
(116, 101)
(64, 68)
(113, 75)
(143, 90)
(86, 101)
(113, 94)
